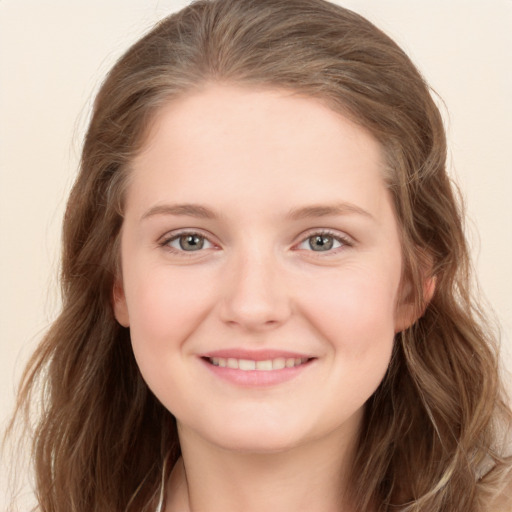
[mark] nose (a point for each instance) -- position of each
(255, 296)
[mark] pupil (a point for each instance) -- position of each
(191, 242)
(321, 243)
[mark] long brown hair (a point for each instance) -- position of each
(430, 440)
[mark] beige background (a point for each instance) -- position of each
(53, 56)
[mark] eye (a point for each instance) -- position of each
(188, 242)
(323, 242)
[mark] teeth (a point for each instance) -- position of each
(264, 365)
(250, 365)
(245, 364)
(279, 363)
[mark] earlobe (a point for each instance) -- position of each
(408, 311)
(119, 304)
(429, 287)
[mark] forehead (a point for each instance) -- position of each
(226, 142)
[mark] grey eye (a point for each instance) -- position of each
(189, 242)
(321, 242)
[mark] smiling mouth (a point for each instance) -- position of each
(248, 365)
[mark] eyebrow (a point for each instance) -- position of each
(321, 210)
(301, 213)
(189, 210)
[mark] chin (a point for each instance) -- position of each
(255, 437)
(257, 445)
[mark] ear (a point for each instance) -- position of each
(119, 303)
(407, 310)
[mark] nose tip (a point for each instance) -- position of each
(255, 297)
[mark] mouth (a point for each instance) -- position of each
(248, 365)
(257, 368)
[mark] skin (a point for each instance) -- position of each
(251, 157)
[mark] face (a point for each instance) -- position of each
(261, 268)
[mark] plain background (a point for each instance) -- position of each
(54, 55)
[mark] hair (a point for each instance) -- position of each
(430, 440)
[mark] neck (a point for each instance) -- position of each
(303, 478)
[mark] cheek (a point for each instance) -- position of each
(353, 311)
(354, 307)
(350, 312)
(356, 317)
(165, 308)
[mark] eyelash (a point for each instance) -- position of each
(164, 243)
(344, 241)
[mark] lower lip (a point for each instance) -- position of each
(257, 378)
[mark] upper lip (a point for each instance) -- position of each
(254, 355)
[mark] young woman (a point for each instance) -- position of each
(266, 290)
